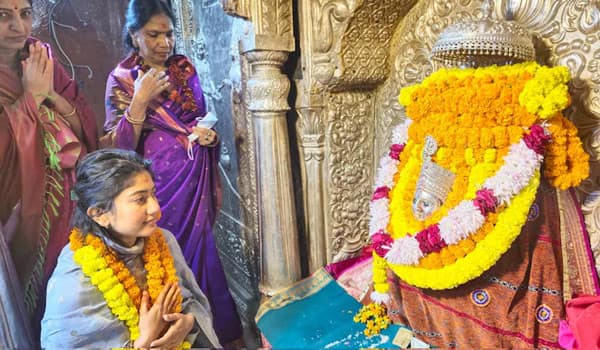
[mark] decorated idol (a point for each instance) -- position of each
(472, 210)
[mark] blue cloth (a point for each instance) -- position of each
(317, 313)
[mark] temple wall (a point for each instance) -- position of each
(86, 38)
(355, 57)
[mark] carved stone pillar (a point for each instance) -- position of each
(268, 89)
(311, 130)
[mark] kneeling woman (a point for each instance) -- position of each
(122, 281)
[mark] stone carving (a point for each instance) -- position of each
(368, 44)
(268, 88)
(184, 31)
(350, 170)
(238, 8)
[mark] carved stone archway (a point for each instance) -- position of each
(345, 48)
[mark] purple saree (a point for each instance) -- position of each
(186, 186)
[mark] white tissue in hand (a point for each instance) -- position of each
(208, 121)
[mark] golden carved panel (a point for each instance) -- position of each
(566, 33)
(275, 18)
(413, 40)
(366, 42)
(382, 46)
(349, 141)
(352, 48)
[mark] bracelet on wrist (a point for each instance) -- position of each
(134, 121)
(72, 113)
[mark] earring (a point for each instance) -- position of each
(134, 41)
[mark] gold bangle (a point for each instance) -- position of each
(134, 121)
(72, 113)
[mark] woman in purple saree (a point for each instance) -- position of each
(153, 101)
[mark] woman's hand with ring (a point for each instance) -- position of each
(150, 85)
(206, 137)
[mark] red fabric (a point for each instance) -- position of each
(338, 268)
(583, 317)
(23, 161)
(527, 277)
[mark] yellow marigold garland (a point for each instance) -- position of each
(485, 253)
(160, 268)
(121, 292)
(375, 318)
(547, 93)
(567, 164)
(501, 102)
(476, 115)
(94, 265)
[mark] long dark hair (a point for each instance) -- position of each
(139, 13)
(101, 176)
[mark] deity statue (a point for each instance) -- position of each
(434, 184)
(474, 223)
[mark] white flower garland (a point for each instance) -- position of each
(379, 209)
(520, 165)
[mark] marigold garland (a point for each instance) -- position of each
(375, 318)
(449, 254)
(483, 256)
(502, 102)
(567, 164)
(110, 275)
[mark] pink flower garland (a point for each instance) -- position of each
(395, 151)
(381, 242)
(537, 139)
(430, 239)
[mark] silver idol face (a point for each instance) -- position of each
(424, 204)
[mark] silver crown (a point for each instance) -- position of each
(434, 179)
(483, 42)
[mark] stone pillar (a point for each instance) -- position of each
(268, 90)
(311, 136)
